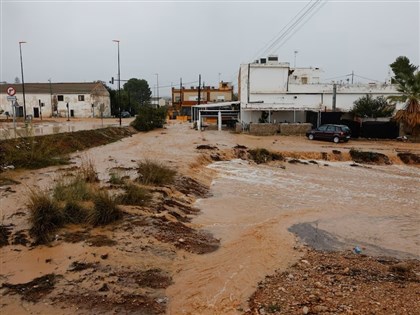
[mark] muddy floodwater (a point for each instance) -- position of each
(252, 208)
(262, 214)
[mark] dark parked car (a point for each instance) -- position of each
(125, 115)
(330, 132)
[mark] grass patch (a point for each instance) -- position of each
(260, 156)
(134, 195)
(45, 216)
(76, 189)
(42, 151)
(105, 210)
(115, 178)
(74, 212)
(152, 173)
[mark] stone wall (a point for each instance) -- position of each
(263, 129)
(272, 129)
(295, 129)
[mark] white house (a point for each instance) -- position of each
(57, 99)
(288, 94)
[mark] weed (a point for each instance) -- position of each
(260, 156)
(74, 213)
(75, 189)
(134, 195)
(88, 171)
(115, 178)
(152, 173)
(105, 209)
(45, 216)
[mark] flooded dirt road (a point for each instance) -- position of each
(252, 211)
(253, 206)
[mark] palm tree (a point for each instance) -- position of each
(407, 79)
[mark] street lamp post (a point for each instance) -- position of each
(23, 81)
(157, 89)
(119, 80)
(51, 99)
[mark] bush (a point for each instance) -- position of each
(150, 118)
(260, 156)
(76, 190)
(74, 213)
(152, 173)
(115, 178)
(105, 210)
(45, 216)
(134, 195)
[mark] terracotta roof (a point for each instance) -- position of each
(56, 88)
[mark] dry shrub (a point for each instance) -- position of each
(115, 178)
(153, 173)
(45, 216)
(88, 171)
(105, 210)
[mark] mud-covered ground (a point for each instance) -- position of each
(137, 264)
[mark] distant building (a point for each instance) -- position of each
(157, 102)
(58, 99)
(185, 98)
(274, 90)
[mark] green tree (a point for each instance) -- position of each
(407, 78)
(149, 118)
(139, 91)
(366, 106)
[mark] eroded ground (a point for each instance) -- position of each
(200, 251)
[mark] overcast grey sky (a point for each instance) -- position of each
(71, 41)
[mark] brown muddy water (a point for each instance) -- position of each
(252, 208)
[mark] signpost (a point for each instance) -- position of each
(11, 91)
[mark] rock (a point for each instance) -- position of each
(290, 276)
(305, 262)
(305, 310)
(346, 270)
(181, 240)
(318, 285)
(262, 311)
(104, 256)
(104, 288)
(319, 309)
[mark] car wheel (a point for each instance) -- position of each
(336, 139)
(311, 137)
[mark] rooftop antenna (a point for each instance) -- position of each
(295, 57)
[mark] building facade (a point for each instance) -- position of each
(57, 100)
(280, 93)
(183, 99)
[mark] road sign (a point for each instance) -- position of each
(11, 91)
(11, 98)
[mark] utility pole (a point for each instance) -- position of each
(51, 99)
(334, 100)
(295, 58)
(199, 89)
(157, 89)
(119, 80)
(352, 76)
(23, 81)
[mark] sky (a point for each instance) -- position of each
(163, 41)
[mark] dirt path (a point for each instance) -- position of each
(250, 211)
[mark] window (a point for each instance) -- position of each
(220, 97)
(60, 98)
(81, 98)
(304, 80)
(331, 128)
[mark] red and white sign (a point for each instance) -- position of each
(11, 91)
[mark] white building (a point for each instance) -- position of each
(288, 94)
(57, 99)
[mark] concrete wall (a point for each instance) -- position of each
(272, 129)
